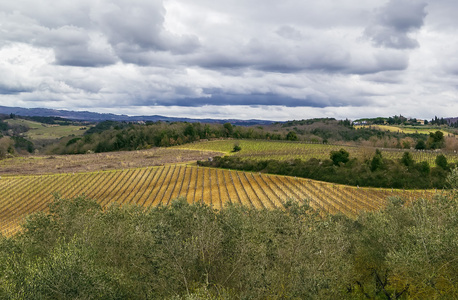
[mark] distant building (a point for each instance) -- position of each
(360, 123)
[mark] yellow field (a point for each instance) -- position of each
(152, 186)
(405, 129)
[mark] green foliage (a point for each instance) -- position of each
(236, 148)
(116, 136)
(378, 172)
(377, 161)
(291, 136)
(421, 145)
(452, 179)
(407, 159)
(51, 120)
(424, 167)
(229, 129)
(441, 161)
(3, 126)
(78, 251)
(340, 157)
(73, 141)
(21, 143)
(436, 140)
(106, 125)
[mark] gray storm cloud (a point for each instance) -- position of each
(321, 56)
(394, 23)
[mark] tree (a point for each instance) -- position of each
(436, 140)
(377, 160)
(441, 161)
(291, 136)
(236, 148)
(407, 159)
(421, 145)
(423, 167)
(229, 129)
(190, 132)
(341, 156)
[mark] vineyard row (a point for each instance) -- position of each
(153, 186)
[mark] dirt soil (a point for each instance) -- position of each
(48, 164)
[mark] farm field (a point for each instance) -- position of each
(39, 131)
(406, 129)
(51, 164)
(283, 150)
(153, 186)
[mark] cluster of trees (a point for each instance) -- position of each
(395, 120)
(341, 168)
(308, 122)
(11, 140)
(435, 140)
(114, 136)
(343, 130)
(79, 251)
(438, 121)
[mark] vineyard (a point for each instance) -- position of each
(153, 186)
(282, 150)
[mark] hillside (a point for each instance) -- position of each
(37, 131)
(99, 117)
(146, 187)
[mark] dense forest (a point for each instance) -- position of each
(79, 251)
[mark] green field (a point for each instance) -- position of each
(282, 150)
(40, 131)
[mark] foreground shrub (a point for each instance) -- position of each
(184, 251)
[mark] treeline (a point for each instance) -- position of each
(340, 168)
(329, 129)
(401, 120)
(44, 120)
(115, 136)
(79, 251)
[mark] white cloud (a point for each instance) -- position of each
(235, 58)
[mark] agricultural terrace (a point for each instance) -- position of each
(284, 150)
(39, 131)
(153, 186)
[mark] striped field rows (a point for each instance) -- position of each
(285, 150)
(153, 186)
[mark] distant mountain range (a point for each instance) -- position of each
(98, 117)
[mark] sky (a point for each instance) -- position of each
(255, 59)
